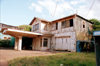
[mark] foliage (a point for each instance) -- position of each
(95, 21)
(25, 27)
(67, 59)
(96, 24)
(5, 43)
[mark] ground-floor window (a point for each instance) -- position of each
(45, 42)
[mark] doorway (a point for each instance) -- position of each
(27, 43)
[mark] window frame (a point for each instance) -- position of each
(36, 27)
(63, 24)
(71, 23)
(56, 25)
(45, 45)
(83, 25)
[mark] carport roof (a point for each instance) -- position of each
(16, 33)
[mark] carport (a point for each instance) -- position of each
(18, 34)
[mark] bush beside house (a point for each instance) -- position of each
(5, 43)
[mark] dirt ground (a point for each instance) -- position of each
(9, 54)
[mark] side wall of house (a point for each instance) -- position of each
(64, 38)
(82, 27)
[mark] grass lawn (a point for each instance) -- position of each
(67, 59)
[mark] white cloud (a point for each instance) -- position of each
(65, 8)
(38, 8)
(74, 2)
(94, 12)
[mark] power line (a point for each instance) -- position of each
(55, 8)
(90, 7)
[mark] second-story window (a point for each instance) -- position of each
(65, 24)
(35, 27)
(83, 26)
(71, 22)
(57, 26)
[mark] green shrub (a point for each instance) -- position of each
(5, 43)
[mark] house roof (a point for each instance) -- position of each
(7, 25)
(42, 20)
(67, 17)
(70, 17)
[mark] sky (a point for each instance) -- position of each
(20, 12)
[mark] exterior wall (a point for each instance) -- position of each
(38, 43)
(64, 38)
(45, 28)
(81, 33)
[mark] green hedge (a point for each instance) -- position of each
(5, 43)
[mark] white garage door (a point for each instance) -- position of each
(64, 44)
(58, 43)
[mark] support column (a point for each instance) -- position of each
(16, 44)
(42, 42)
(20, 43)
(33, 44)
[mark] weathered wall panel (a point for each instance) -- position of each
(81, 32)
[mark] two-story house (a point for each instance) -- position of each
(60, 34)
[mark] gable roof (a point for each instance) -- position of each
(42, 20)
(71, 17)
(68, 17)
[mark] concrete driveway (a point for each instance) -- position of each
(8, 54)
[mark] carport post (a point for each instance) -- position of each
(16, 44)
(19, 42)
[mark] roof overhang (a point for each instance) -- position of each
(16, 33)
(42, 20)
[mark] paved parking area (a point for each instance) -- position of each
(8, 54)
